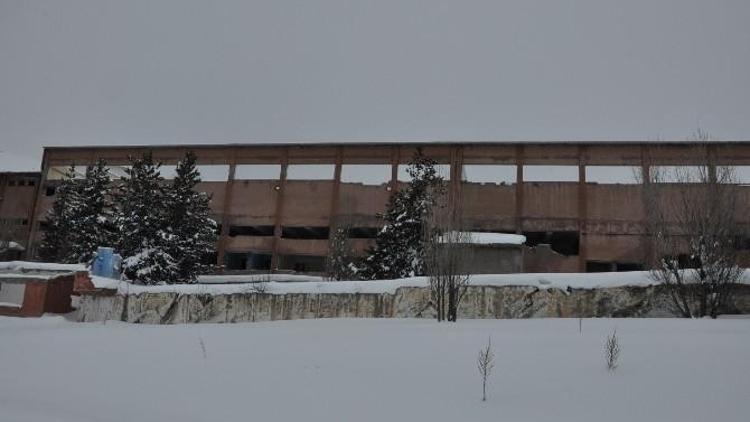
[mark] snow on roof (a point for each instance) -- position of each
(481, 238)
(25, 267)
(16, 163)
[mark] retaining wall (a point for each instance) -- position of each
(406, 302)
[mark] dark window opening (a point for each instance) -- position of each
(566, 243)
(235, 260)
(250, 231)
(24, 222)
(742, 243)
(607, 266)
(683, 261)
(304, 232)
(49, 190)
(363, 232)
(599, 267)
(629, 266)
(11, 255)
(259, 261)
(239, 261)
(302, 263)
(31, 183)
(686, 261)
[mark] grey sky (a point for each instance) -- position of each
(135, 72)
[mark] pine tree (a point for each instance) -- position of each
(399, 246)
(192, 230)
(93, 217)
(144, 235)
(57, 231)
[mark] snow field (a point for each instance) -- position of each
(373, 370)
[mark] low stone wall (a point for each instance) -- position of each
(479, 302)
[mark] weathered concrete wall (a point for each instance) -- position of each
(492, 259)
(479, 302)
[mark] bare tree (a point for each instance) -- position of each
(612, 351)
(485, 364)
(259, 287)
(447, 253)
(340, 254)
(203, 346)
(692, 223)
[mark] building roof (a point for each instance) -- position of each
(397, 142)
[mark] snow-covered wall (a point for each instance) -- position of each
(405, 302)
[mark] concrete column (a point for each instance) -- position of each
(394, 167)
(711, 160)
(335, 192)
(519, 189)
(278, 217)
(226, 209)
(646, 245)
(582, 209)
(31, 248)
(456, 170)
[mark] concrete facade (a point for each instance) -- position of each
(280, 220)
(18, 192)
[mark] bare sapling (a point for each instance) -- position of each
(259, 287)
(485, 364)
(447, 255)
(612, 351)
(203, 346)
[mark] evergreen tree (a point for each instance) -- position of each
(144, 235)
(193, 232)
(399, 246)
(93, 217)
(58, 228)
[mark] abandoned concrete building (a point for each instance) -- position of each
(579, 204)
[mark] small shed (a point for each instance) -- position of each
(32, 289)
(490, 253)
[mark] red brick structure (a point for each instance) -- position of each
(40, 295)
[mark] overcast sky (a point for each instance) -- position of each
(140, 72)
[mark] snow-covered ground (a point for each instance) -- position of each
(373, 370)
